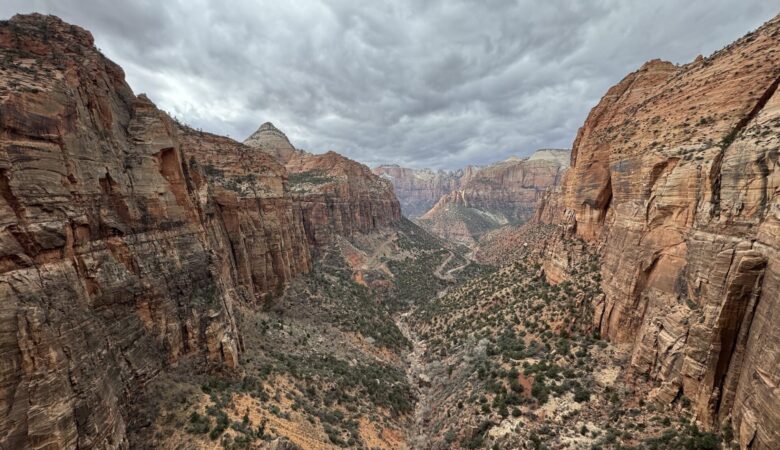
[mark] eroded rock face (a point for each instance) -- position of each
(499, 194)
(105, 266)
(340, 196)
(419, 189)
(126, 239)
(335, 195)
(675, 177)
(245, 196)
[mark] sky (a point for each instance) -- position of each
(432, 83)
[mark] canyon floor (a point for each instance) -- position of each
(398, 339)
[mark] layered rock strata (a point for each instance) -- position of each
(419, 189)
(273, 142)
(127, 240)
(503, 193)
(335, 195)
(675, 177)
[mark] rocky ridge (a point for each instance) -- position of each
(674, 179)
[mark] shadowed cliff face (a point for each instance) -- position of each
(126, 240)
(675, 178)
(109, 272)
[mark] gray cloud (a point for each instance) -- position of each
(426, 84)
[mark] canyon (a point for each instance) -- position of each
(503, 193)
(493, 187)
(419, 189)
(164, 287)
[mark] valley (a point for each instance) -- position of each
(164, 287)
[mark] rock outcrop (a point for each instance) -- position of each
(247, 195)
(336, 195)
(503, 193)
(419, 189)
(675, 178)
(339, 196)
(128, 240)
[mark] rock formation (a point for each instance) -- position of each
(419, 189)
(675, 178)
(336, 195)
(272, 141)
(499, 194)
(127, 240)
(248, 196)
(110, 271)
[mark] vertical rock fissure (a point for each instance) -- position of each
(736, 317)
(8, 195)
(18, 231)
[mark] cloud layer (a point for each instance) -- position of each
(420, 83)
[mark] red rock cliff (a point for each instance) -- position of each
(510, 188)
(335, 194)
(126, 239)
(108, 271)
(675, 176)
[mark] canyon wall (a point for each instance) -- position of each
(340, 196)
(336, 195)
(128, 240)
(675, 178)
(503, 193)
(419, 189)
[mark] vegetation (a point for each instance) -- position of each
(309, 177)
(517, 352)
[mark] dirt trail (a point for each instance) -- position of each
(448, 276)
(469, 260)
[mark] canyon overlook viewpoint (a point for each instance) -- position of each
(167, 287)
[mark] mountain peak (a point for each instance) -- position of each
(273, 141)
(267, 126)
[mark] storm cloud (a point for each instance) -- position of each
(420, 83)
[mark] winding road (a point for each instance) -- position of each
(447, 276)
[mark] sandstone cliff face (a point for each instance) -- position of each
(419, 189)
(245, 193)
(675, 177)
(127, 240)
(502, 193)
(105, 267)
(335, 195)
(339, 196)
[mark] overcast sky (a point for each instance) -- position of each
(420, 83)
